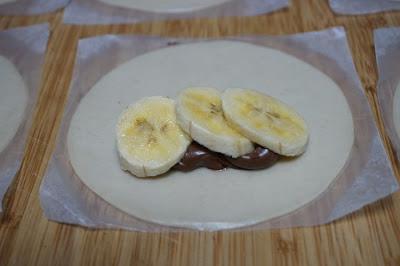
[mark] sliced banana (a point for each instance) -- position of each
(265, 121)
(149, 140)
(199, 113)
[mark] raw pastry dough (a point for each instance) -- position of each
(13, 101)
(165, 5)
(203, 197)
(396, 110)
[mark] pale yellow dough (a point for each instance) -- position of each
(165, 5)
(204, 197)
(13, 101)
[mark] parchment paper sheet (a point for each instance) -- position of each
(97, 12)
(359, 7)
(25, 48)
(387, 48)
(366, 177)
(31, 7)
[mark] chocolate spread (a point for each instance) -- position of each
(198, 156)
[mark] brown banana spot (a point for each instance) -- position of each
(164, 128)
(215, 109)
(152, 139)
(143, 124)
(272, 116)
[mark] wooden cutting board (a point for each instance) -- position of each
(368, 237)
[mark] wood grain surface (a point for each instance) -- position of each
(368, 237)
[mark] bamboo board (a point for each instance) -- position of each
(368, 237)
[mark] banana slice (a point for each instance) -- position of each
(149, 140)
(265, 121)
(199, 113)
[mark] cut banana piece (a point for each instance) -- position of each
(199, 113)
(265, 121)
(149, 140)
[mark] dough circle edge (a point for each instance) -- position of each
(13, 102)
(174, 178)
(171, 6)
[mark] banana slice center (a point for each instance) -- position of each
(152, 137)
(271, 117)
(207, 111)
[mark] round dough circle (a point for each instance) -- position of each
(13, 101)
(165, 5)
(203, 197)
(396, 110)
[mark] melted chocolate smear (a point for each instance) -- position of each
(198, 156)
